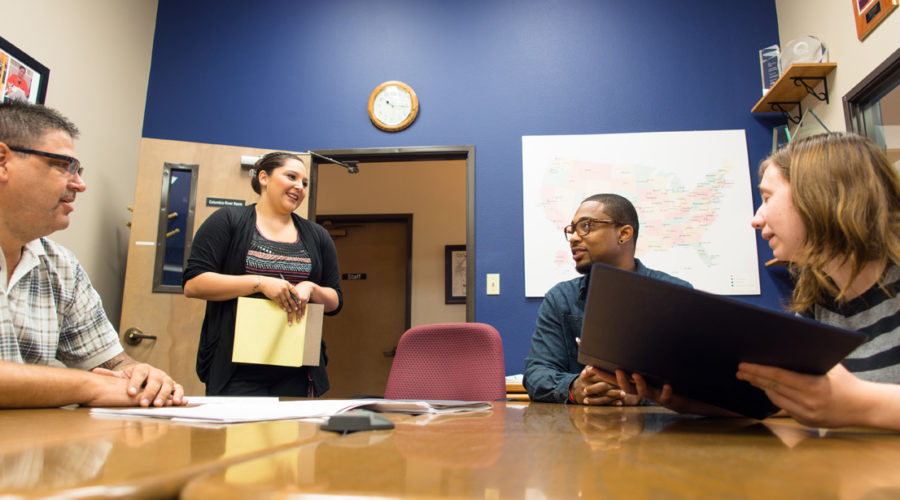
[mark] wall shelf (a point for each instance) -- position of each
(792, 86)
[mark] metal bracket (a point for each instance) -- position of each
(811, 90)
(777, 106)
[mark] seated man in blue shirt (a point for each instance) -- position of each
(604, 229)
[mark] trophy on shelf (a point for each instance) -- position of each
(770, 66)
(806, 49)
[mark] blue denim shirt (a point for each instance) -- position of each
(552, 364)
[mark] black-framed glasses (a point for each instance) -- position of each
(584, 227)
(73, 166)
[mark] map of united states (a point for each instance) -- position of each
(694, 205)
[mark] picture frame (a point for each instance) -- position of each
(21, 76)
(870, 13)
(454, 274)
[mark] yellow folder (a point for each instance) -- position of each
(263, 336)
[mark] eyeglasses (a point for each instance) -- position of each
(73, 166)
(584, 226)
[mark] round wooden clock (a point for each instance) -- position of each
(393, 106)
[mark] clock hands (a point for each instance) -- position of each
(392, 106)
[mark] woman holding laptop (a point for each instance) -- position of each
(831, 208)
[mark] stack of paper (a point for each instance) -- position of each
(419, 406)
(240, 410)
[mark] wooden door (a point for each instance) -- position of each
(174, 319)
(374, 257)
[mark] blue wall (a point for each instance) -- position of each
(289, 74)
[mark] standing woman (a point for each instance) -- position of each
(264, 249)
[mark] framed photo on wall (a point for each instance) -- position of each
(455, 274)
(21, 77)
(869, 13)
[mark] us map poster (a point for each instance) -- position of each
(691, 190)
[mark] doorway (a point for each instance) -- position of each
(412, 155)
(374, 254)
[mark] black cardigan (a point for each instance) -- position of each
(221, 246)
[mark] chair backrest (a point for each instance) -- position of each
(451, 361)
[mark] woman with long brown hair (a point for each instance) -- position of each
(831, 209)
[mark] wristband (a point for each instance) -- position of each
(571, 397)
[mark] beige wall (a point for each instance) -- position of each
(434, 192)
(98, 52)
(832, 22)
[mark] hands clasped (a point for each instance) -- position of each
(590, 388)
(291, 298)
(146, 386)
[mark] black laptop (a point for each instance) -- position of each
(694, 340)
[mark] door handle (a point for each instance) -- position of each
(134, 336)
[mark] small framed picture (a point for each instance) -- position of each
(869, 13)
(21, 77)
(455, 274)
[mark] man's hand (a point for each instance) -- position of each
(591, 389)
(154, 386)
(108, 388)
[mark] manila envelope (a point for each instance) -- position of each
(263, 336)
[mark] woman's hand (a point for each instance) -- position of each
(835, 399)
(636, 384)
(289, 298)
(302, 295)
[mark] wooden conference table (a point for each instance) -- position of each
(68, 453)
(516, 450)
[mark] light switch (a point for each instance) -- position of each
(493, 283)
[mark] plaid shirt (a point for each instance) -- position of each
(50, 314)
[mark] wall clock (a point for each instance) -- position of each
(393, 106)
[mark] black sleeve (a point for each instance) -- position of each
(210, 246)
(331, 274)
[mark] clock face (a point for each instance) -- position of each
(393, 106)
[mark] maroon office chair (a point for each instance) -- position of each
(451, 361)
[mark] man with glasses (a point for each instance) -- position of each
(50, 314)
(604, 229)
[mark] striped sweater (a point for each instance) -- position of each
(877, 315)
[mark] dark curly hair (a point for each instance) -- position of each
(267, 163)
